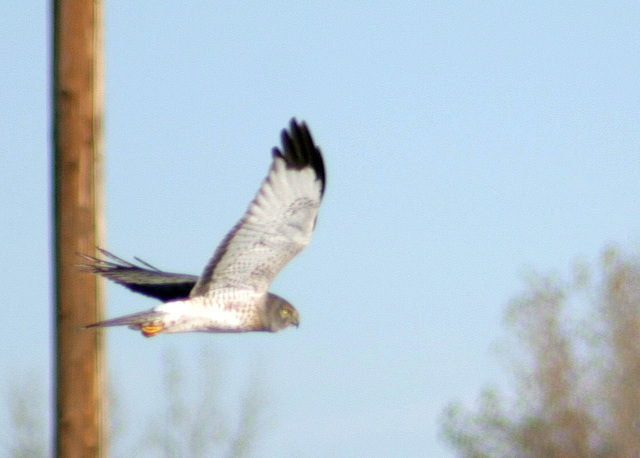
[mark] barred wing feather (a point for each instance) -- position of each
(277, 225)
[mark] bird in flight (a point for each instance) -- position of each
(232, 293)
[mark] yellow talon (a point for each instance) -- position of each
(150, 330)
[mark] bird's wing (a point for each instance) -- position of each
(278, 223)
(144, 279)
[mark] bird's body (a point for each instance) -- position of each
(232, 294)
(220, 313)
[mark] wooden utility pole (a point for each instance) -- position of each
(77, 167)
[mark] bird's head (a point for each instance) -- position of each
(280, 314)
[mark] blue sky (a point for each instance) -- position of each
(465, 144)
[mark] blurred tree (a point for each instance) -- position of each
(27, 435)
(194, 422)
(577, 387)
(192, 419)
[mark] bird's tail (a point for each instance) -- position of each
(150, 322)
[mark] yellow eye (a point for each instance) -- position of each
(284, 313)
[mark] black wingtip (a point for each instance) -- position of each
(300, 150)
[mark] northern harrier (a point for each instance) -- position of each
(232, 293)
